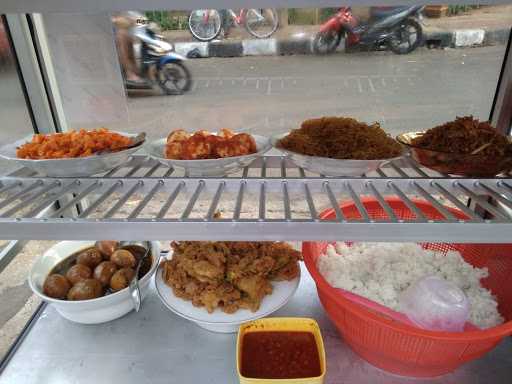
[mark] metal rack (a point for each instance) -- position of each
(271, 199)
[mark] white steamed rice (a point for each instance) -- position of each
(381, 271)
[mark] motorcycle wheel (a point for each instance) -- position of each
(401, 42)
(326, 42)
(174, 78)
(204, 30)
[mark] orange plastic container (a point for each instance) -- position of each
(400, 348)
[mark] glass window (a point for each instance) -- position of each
(17, 302)
(13, 108)
(255, 76)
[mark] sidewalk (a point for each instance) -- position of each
(484, 26)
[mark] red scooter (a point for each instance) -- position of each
(397, 28)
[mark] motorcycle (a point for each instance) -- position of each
(397, 28)
(157, 63)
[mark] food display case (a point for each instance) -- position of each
(70, 77)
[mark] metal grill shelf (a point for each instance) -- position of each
(269, 200)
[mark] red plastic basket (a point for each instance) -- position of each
(398, 347)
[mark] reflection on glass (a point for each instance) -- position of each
(14, 115)
(266, 70)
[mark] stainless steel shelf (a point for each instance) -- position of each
(270, 200)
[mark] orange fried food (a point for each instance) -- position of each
(72, 144)
(196, 147)
(178, 135)
(203, 145)
(241, 144)
(215, 141)
(225, 149)
(174, 150)
(226, 133)
(203, 133)
(245, 141)
(228, 275)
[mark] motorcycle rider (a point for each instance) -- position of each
(124, 22)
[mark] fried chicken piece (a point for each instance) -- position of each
(228, 275)
(288, 272)
(224, 149)
(244, 140)
(249, 266)
(202, 133)
(254, 286)
(243, 248)
(174, 150)
(237, 145)
(203, 270)
(223, 296)
(181, 145)
(229, 296)
(282, 254)
(193, 287)
(226, 133)
(209, 299)
(242, 144)
(196, 147)
(216, 255)
(215, 142)
(179, 135)
(178, 280)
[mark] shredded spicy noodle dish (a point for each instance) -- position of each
(341, 138)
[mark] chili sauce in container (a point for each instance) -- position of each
(280, 350)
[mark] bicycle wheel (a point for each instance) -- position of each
(204, 24)
(261, 23)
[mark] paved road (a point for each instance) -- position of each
(273, 94)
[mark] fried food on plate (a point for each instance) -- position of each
(465, 135)
(228, 275)
(226, 133)
(341, 138)
(72, 144)
(182, 145)
(178, 135)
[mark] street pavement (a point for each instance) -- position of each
(266, 95)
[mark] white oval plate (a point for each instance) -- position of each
(70, 167)
(330, 167)
(218, 321)
(209, 167)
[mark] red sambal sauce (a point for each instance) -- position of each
(280, 355)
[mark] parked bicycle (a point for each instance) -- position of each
(206, 24)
